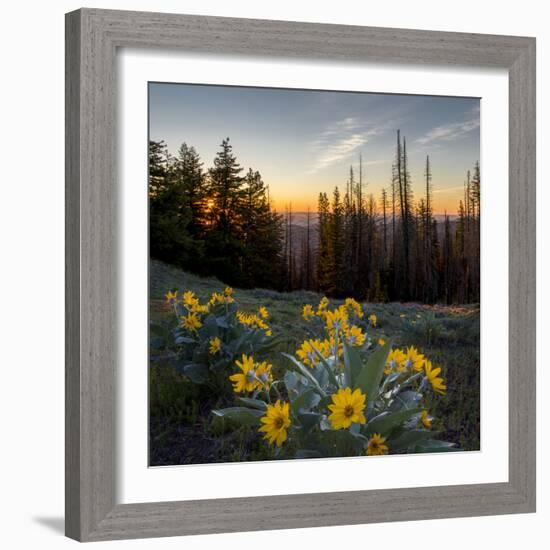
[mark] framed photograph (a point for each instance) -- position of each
(300, 275)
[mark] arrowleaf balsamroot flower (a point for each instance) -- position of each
(355, 336)
(246, 380)
(373, 319)
(395, 361)
(337, 319)
(191, 322)
(377, 446)
(190, 300)
(307, 312)
(414, 360)
(171, 297)
(263, 313)
(433, 378)
(215, 345)
(354, 306)
(323, 304)
(275, 423)
(306, 352)
(347, 408)
(425, 419)
(263, 373)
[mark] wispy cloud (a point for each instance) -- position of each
(449, 132)
(339, 141)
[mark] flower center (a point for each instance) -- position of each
(348, 411)
(251, 375)
(279, 422)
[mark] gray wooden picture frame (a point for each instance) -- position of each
(92, 39)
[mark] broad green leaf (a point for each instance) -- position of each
(372, 371)
(304, 371)
(435, 446)
(410, 438)
(352, 363)
(184, 340)
(253, 403)
(222, 322)
(241, 415)
(385, 422)
(210, 327)
(196, 372)
(306, 400)
(405, 400)
(309, 420)
(328, 368)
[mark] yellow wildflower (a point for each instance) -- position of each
(413, 359)
(269, 332)
(395, 361)
(171, 297)
(245, 381)
(355, 336)
(376, 445)
(275, 423)
(262, 311)
(381, 341)
(228, 291)
(337, 319)
(191, 322)
(306, 352)
(425, 419)
(307, 312)
(216, 298)
(198, 308)
(347, 408)
(373, 319)
(189, 299)
(355, 306)
(215, 345)
(323, 304)
(263, 372)
(433, 378)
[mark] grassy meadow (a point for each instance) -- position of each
(183, 429)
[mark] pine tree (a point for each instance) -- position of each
(223, 243)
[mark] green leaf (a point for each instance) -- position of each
(405, 400)
(372, 371)
(409, 439)
(241, 415)
(157, 343)
(309, 420)
(304, 371)
(222, 322)
(385, 422)
(253, 403)
(435, 446)
(196, 372)
(325, 364)
(184, 340)
(352, 363)
(306, 400)
(210, 327)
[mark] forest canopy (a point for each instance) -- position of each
(220, 222)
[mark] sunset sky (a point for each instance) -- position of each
(303, 142)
